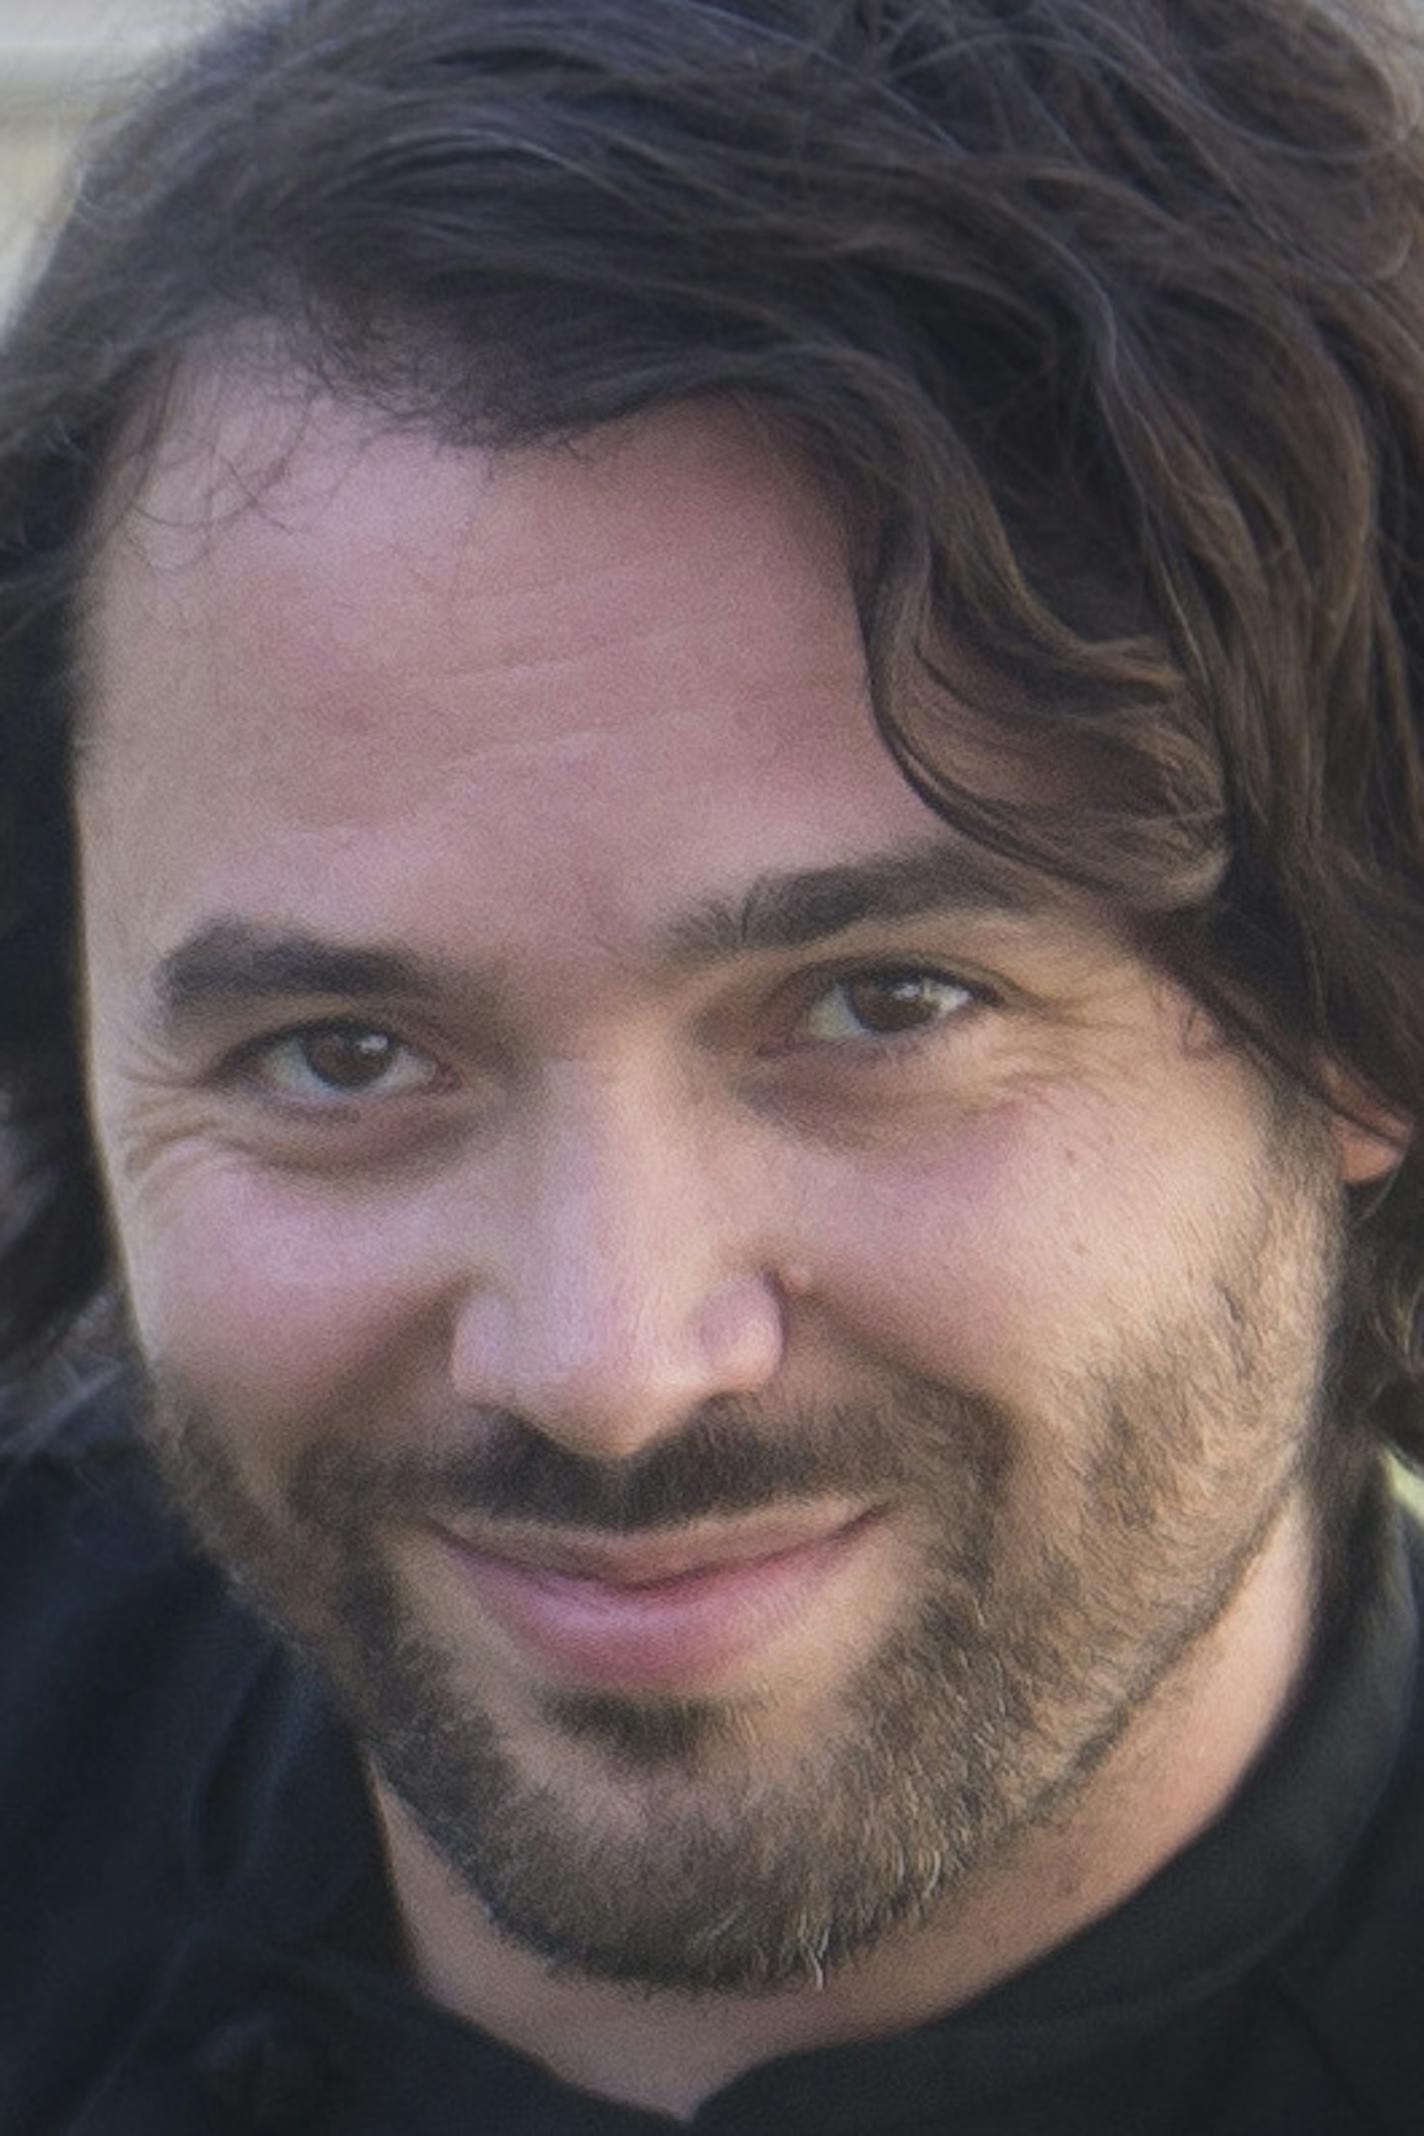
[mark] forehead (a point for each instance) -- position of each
(326, 655)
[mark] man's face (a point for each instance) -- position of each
(747, 1346)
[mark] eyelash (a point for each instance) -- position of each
(890, 977)
(811, 991)
(248, 1063)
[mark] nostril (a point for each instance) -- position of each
(608, 1370)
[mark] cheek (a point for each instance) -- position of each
(271, 1298)
(1006, 1254)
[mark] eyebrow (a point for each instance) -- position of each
(233, 963)
(798, 910)
(230, 963)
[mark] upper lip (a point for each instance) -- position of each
(644, 1560)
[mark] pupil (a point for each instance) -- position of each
(892, 1004)
(348, 1060)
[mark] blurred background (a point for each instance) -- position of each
(60, 61)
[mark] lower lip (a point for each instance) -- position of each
(665, 1636)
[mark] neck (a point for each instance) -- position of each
(1170, 1776)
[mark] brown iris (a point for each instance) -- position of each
(887, 1002)
(347, 1058)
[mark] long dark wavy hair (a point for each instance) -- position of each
(1104, 320)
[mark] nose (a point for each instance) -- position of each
(627, 1282)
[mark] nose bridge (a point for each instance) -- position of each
(630, 1283)
(622, 1225)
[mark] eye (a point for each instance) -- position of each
(888, 1004)
(338, 1060)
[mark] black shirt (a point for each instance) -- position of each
(197, 1937)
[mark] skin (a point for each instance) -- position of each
(519, 720)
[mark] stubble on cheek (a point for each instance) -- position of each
(1061, 1564)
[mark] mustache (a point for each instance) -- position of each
(729, 1458)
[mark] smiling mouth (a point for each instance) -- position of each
(655, 1613)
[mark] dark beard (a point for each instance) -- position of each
(710, 1866)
